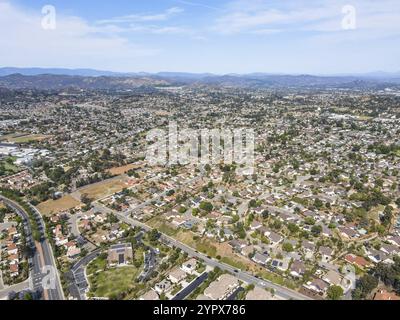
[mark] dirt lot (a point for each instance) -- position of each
(103, 189)
(23, 138)
(54, 206)
(123, 169)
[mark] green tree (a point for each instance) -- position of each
(335, 293)
(206, 206)
(288, 247)
(316, 230)
(364, 286)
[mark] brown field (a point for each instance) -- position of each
(123, 169)
(162, 113)
(7, 136)
(105, 188)
(54, 206)
(24, 138)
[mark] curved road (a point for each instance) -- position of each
(42, 256)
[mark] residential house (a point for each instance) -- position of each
(326, 253)
(317, 285)
(261, 258)
(280, 264)
(177, 275)
(297, 268)
(163, 286)
(120, 254)
(189, 266)
(273, 237)
(358, 261)
(385, 295)
(222, 287)
(150, 295)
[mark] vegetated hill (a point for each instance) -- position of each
(6, 71)
(62, 82)
(54, 82)
(300, 81)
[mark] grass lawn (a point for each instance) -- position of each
(139, 254)
(96, 265)
(111, 283)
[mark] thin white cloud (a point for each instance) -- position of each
(154, 29)
(167, 14)
(144, 23)
(74, 42)
(198, 4)
(315, 15)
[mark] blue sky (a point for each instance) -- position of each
(226, 36)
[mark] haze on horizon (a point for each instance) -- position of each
(227, 36)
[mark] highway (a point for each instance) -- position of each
(35, 275)
(48, 260)
(280, 291)
(42, 255)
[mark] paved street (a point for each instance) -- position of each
(77, 277)
(49, 260)
(280, 291)
(181, 295)
(43, 255)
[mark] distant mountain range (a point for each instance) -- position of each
(6, 71)
(51, 79)
(55, 71)
(60, 82)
